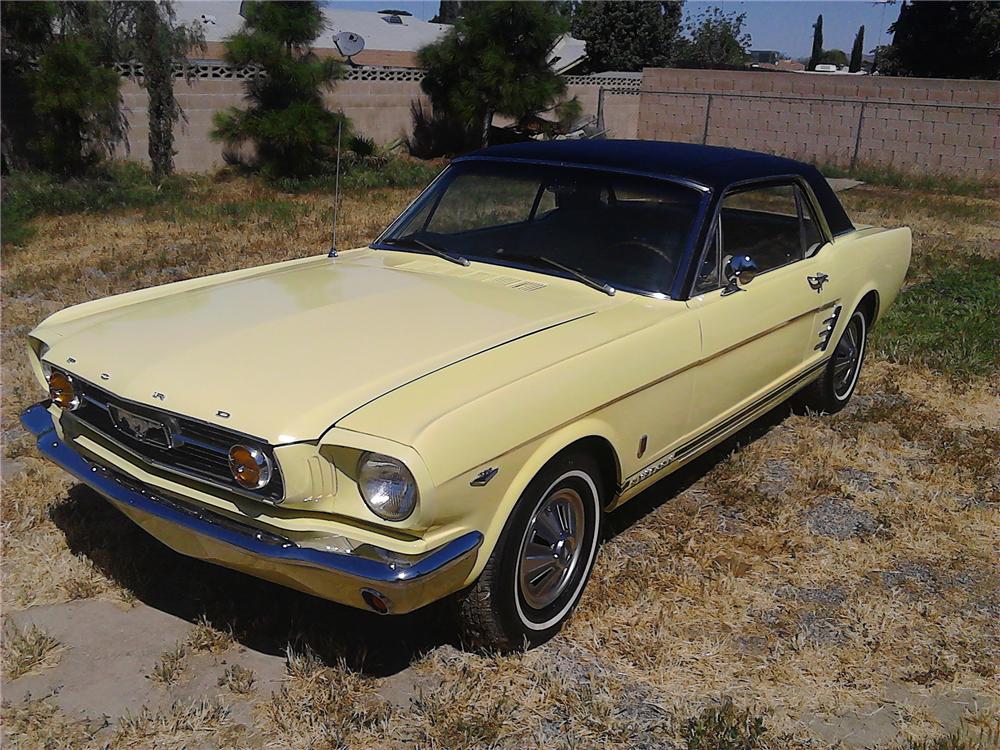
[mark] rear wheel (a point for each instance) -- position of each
(542, 561)
(836, 385)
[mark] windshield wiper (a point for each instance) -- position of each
(429, 248)
(575, 273)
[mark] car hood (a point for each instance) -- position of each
(288, 351)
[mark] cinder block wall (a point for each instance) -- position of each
(620, 109)
(378, 109)
(911, 124)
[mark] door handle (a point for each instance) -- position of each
(816, 282)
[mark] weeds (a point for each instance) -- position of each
(725, 727)
(26, 650)
(168, 670)
(323, 706)
(479, 721)
(121, 185)
(975, 733)
(205, 638)
(888, 176)
(395, 172)
(39, 723)
(238, 679)
(128, 186)
(180, 722)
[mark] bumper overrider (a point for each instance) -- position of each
(367, 577)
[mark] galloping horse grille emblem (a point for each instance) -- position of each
(140, 428)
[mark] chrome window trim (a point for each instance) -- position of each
(763, 182)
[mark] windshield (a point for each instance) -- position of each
(625, 231)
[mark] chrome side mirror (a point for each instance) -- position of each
(740, 270)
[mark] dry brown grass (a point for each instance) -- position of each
(323, 706)
(815, 566)
(206, 638)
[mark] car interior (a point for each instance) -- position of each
(772, 225)
(618, 231)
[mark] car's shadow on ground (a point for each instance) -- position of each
(270, 618)
(261, 615)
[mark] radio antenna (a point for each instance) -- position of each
(336, 191)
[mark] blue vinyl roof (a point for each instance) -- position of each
(715, 167)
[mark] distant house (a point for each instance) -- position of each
(768, 56)
(770, 59)
(392, 38)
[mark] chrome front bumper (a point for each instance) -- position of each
(402, 582)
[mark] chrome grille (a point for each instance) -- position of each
(197, 449)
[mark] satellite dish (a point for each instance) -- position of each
(348, 43)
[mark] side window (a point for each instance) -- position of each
(764, 224)
(774, 225)
(546, 202)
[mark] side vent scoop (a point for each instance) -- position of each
(827, 330)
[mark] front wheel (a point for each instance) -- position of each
(542, 561)
(840, 376)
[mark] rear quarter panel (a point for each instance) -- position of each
(868, 260)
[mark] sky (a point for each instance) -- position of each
(772, 24)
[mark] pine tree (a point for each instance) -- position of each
(944, 40)
(817, 49)
(857, 51)
(293, 132)
(494, 61)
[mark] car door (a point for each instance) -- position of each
(757, 336)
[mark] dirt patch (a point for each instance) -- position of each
(110, 652)
(839, 519)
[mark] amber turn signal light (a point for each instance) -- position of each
(62, 392)
(250, 466)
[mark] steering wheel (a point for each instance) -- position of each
(649, 248)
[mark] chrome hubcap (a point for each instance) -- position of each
(846, 358)
(550, 551)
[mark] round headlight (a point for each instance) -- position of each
(250, 466)
(62, 392)
(387, 486)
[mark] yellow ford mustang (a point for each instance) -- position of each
(548, 329)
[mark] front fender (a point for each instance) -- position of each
(487, 508)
